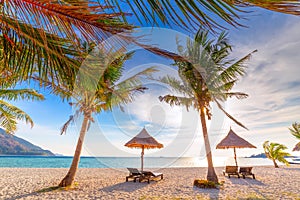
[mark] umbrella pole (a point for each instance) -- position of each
(142, 159)
(235, 156)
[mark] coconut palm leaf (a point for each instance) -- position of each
(30, 53)
(295, 130)
(92, 20)
(282, 6)
(186, 14)
(195, 13)
(17, 94)
(9, 114)
(45, 37)
(229, 116)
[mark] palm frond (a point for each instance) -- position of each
(64, 128)
(175, 85)
(29, 50)
(228, 115)
(295, 130)
(185, 14)
(178, 101)
(92, 20)
(23, 94)
(235, 69)
(9, 115)
(282, 6)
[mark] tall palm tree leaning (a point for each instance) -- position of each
(275, 151)
(295, 131)
(207, 76)
(92, 95)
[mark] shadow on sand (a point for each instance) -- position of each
(48, 189)
(212, 193)
(126, 186)
(246, 181)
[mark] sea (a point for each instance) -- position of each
(123, 162)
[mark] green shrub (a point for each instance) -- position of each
(205, 184)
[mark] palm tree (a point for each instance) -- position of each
(92, 96)
(207, 76)
(295, 131)
(275, 151)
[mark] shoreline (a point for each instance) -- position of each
(107, 183)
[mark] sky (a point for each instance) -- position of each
(272, 82)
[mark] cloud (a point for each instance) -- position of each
(272, 83)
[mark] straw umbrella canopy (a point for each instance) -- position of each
(297, 147)
(232, 140)
(143, 140)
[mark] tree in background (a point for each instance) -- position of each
(275, 151)
(207, 75)
(103, 90)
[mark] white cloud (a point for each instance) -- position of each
(272, 83)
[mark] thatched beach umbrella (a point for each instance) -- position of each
(297, 147)
(143, 140)
(232, 140)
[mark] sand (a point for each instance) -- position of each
(33, 183)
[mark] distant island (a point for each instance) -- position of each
(261, 155)
(12, 145)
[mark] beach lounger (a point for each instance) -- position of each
(246, 171)
(231, 170)
(133, 174)
(148, 175)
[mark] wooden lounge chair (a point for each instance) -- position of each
(148, 175)
(133, 174)
(231, 170)
(246, 171)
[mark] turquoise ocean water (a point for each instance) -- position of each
(122, 162)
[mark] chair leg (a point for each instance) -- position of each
(253, 176)
(243, 176)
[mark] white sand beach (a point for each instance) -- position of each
(32, 183)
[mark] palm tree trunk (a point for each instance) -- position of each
(275, 164)
(211, 174)
(69, 178)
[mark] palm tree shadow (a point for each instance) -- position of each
(291, 168)
(246, 181)
(125, 187)
(213, 193)
(35, 193)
